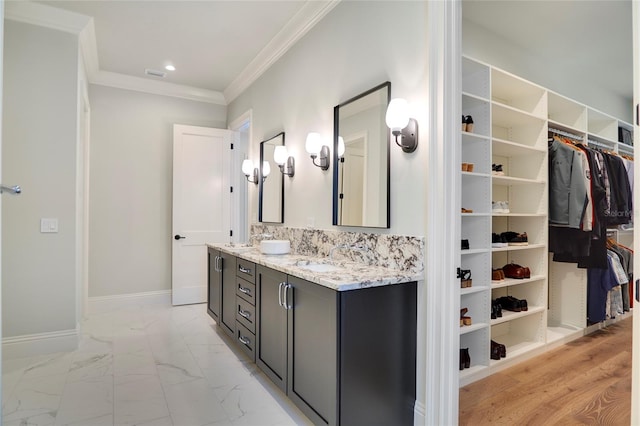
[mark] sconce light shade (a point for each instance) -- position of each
(315, 148)
(341, 147)
(284, 160)
(401, 124)
(266, 169)
(313, 143)
(280, 155)
(249, 169)
(397, 116)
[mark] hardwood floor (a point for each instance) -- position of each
(587, 381)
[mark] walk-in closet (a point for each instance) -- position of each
(533, 275)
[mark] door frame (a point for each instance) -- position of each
(242, 129)
(635, 364)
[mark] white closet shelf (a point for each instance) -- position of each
(505, 148)
(473, 289)
(473, 251)
(474, 174)
(510, 316)
(510, 282)
(520, 346)
(508, 116)
(471, 95)
(510, 181)
(473, 137)
(475, 214)
(472, 371)
(566, 128)
(516, 248)
(473, 327)
(519, 215)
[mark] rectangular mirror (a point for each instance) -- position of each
(270, 183)
(361, 159)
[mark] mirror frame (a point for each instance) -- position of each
(275, 171)
(336, 162)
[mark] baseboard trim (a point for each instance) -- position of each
(39, 344)
(110, 303)
(419, 418)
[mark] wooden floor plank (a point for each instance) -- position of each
(584, 382)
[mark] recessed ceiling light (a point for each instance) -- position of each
(155, 73)
(170, 68)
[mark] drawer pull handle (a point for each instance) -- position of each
(244, 290)
(244, 340)
(244, 270)
(245, 314)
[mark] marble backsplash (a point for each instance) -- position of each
(404, 253)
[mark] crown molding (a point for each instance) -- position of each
(139, 84)
(45, 16)
(308, 16)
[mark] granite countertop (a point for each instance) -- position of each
(341, 276)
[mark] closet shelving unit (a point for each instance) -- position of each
(511, 121)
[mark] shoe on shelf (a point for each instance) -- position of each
(464, 245)
(515, 239)
(500, 349)
(464, 123)
(496, 309)
(466, 210)
(496, 170)
(510, 303)
(465, 359)
(464, 320)
(465, 167)
(497, 275)
(500, 207)
(495, 351)
(513, 270)
(465, 278)
(468, 120)
(498, 241)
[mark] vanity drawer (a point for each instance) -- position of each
(246, 340)
(246, 314)
(246, 290)
(246, 270)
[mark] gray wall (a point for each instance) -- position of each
(131, 185)
(357, 46)
(39, 153)
(485, 46)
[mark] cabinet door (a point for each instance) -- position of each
(228, 292)
(213, 288)
(271, 348)
(312, 350)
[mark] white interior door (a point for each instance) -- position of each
(201, 206)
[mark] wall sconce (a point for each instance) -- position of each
(249, 169)
(315, 148)
(402, 125)
(285, 161)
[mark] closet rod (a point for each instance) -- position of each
(566, 134)
(599, 144)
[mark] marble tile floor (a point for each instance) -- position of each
(144, 365)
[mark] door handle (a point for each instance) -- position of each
(280, 294)
(179, 237)
(286, 296)
(15, 190)
(216, 263)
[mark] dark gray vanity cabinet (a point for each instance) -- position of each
(228, 294)
(214, 289)
(296, 345)
(343, 357)
(221, 300)
(271, 348)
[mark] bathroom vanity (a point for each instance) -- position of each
(338, 338)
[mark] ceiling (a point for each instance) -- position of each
(212, 43)
(590, 36)
(221, 46)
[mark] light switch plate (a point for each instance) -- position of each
(48, 225)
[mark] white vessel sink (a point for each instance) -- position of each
(275, 246)
(319, 267)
